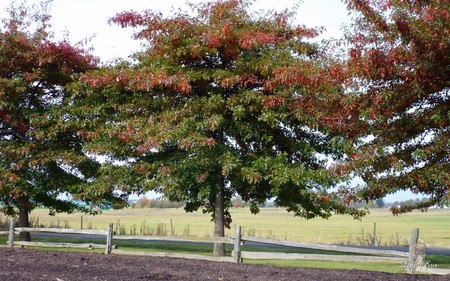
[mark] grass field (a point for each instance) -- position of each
(276, 223)
(271, 223)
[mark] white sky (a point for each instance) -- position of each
(85, 18)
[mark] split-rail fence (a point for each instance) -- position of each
(412, 260)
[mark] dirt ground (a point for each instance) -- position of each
(26, 264)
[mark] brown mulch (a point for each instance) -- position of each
(26, 264)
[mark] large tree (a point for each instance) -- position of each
(211, 109)
(39, 162)
(398, 91)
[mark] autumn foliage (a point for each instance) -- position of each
(398, 71)
(39, 161)
(220, 102)
(224, 102)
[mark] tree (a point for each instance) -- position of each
(38, 161)
(380, 203)
(398, 98)
(221, 102)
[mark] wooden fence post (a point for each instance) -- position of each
(375, 241)
(237, 245)
(109, 239)
(81, 222)
(11, 233)
(412, 256)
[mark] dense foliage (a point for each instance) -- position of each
(220, 102)
(39, 162)
(398, 80)
(224, 103)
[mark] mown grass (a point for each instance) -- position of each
(440, 261)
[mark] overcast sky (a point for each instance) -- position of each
(86, 18)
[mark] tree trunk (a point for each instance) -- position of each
(219, 218)
(24, 221)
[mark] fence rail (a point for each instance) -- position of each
(318, 257)
(61, 230)
(413, 257)
(226, 240)
(62, 245)
(325, 247)
(174, 255)
(17, 230)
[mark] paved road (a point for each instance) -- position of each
(430, 251)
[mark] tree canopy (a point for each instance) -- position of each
(224, 102)
(398, 78)
(39, 162)
(220, 102)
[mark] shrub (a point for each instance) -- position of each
(144, 202)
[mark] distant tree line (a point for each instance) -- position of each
(380, 203)
(410, 202)
(144, 202)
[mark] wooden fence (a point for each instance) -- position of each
(412, 260)
(17, 230)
